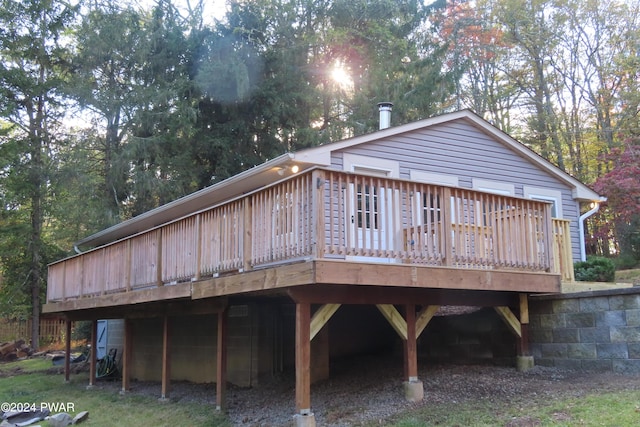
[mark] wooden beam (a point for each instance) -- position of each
(321, 317)
(127, 352)
(303, 359)
(178, 291)
(406, 275)
(166, 359)
(93, 355)
(221, 362)
(67, 351)
(424, 317)
(510, 319)
(371, 295)
(301, 273)
(411, 347)
(394, 318)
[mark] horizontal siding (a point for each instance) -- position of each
(458, 148)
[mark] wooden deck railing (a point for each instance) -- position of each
(322, 214)
(563, 260)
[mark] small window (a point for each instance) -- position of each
(496, 187)
(546, 195)
(434, 178)
(371, 165)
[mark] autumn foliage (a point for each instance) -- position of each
(620, 217)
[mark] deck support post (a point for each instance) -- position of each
(413, 388)
(67, 351)
(126, 355)
(524, 359)
(166, 360)
(221, 362)
(93, 354)
(303, 417)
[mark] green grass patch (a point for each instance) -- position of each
(106, 407)
(620, 408)
(628, 276)
(28, 365)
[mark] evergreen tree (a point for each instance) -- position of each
(32, 69)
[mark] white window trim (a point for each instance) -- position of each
(496, 187)
(373, 165)
(545, 194)
(434, 178)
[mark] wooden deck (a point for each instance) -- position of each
(325, 227)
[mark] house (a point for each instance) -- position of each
(239, 280)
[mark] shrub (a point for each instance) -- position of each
(82, 331)
(595, 269)
(625, 262)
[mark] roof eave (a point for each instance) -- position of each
(239, 183)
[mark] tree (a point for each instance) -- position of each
(106, 66)
(621, 186)
(32, 69)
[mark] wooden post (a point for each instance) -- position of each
(523, 341)
(221, 362)
(127, 267)
(317, 215)
(445, 215)
(159, 281)
(94, 353)
(303, 359)
(411, 348)
(64, 281)
(126, 355)
(166, 359)
(103, 276)
(67, 351)
(247, 243)
(198, 253)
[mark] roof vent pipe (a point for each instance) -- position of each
(385, 114)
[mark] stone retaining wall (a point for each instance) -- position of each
(596, 330)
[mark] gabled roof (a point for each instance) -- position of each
(322, 153)
(272, 171)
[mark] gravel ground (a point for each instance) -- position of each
(370, 390)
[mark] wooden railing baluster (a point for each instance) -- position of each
(368, 216)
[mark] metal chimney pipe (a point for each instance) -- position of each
(385, 114)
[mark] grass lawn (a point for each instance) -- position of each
(609, 409)
(628, 276)
(27, 382)
(105, 407)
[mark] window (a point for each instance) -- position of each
(546, 195)
(367, 207)
(434, 178)
(371, 165)
(496, 187)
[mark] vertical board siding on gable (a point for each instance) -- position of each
(457, 148)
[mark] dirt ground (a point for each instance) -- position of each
(370, 390)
